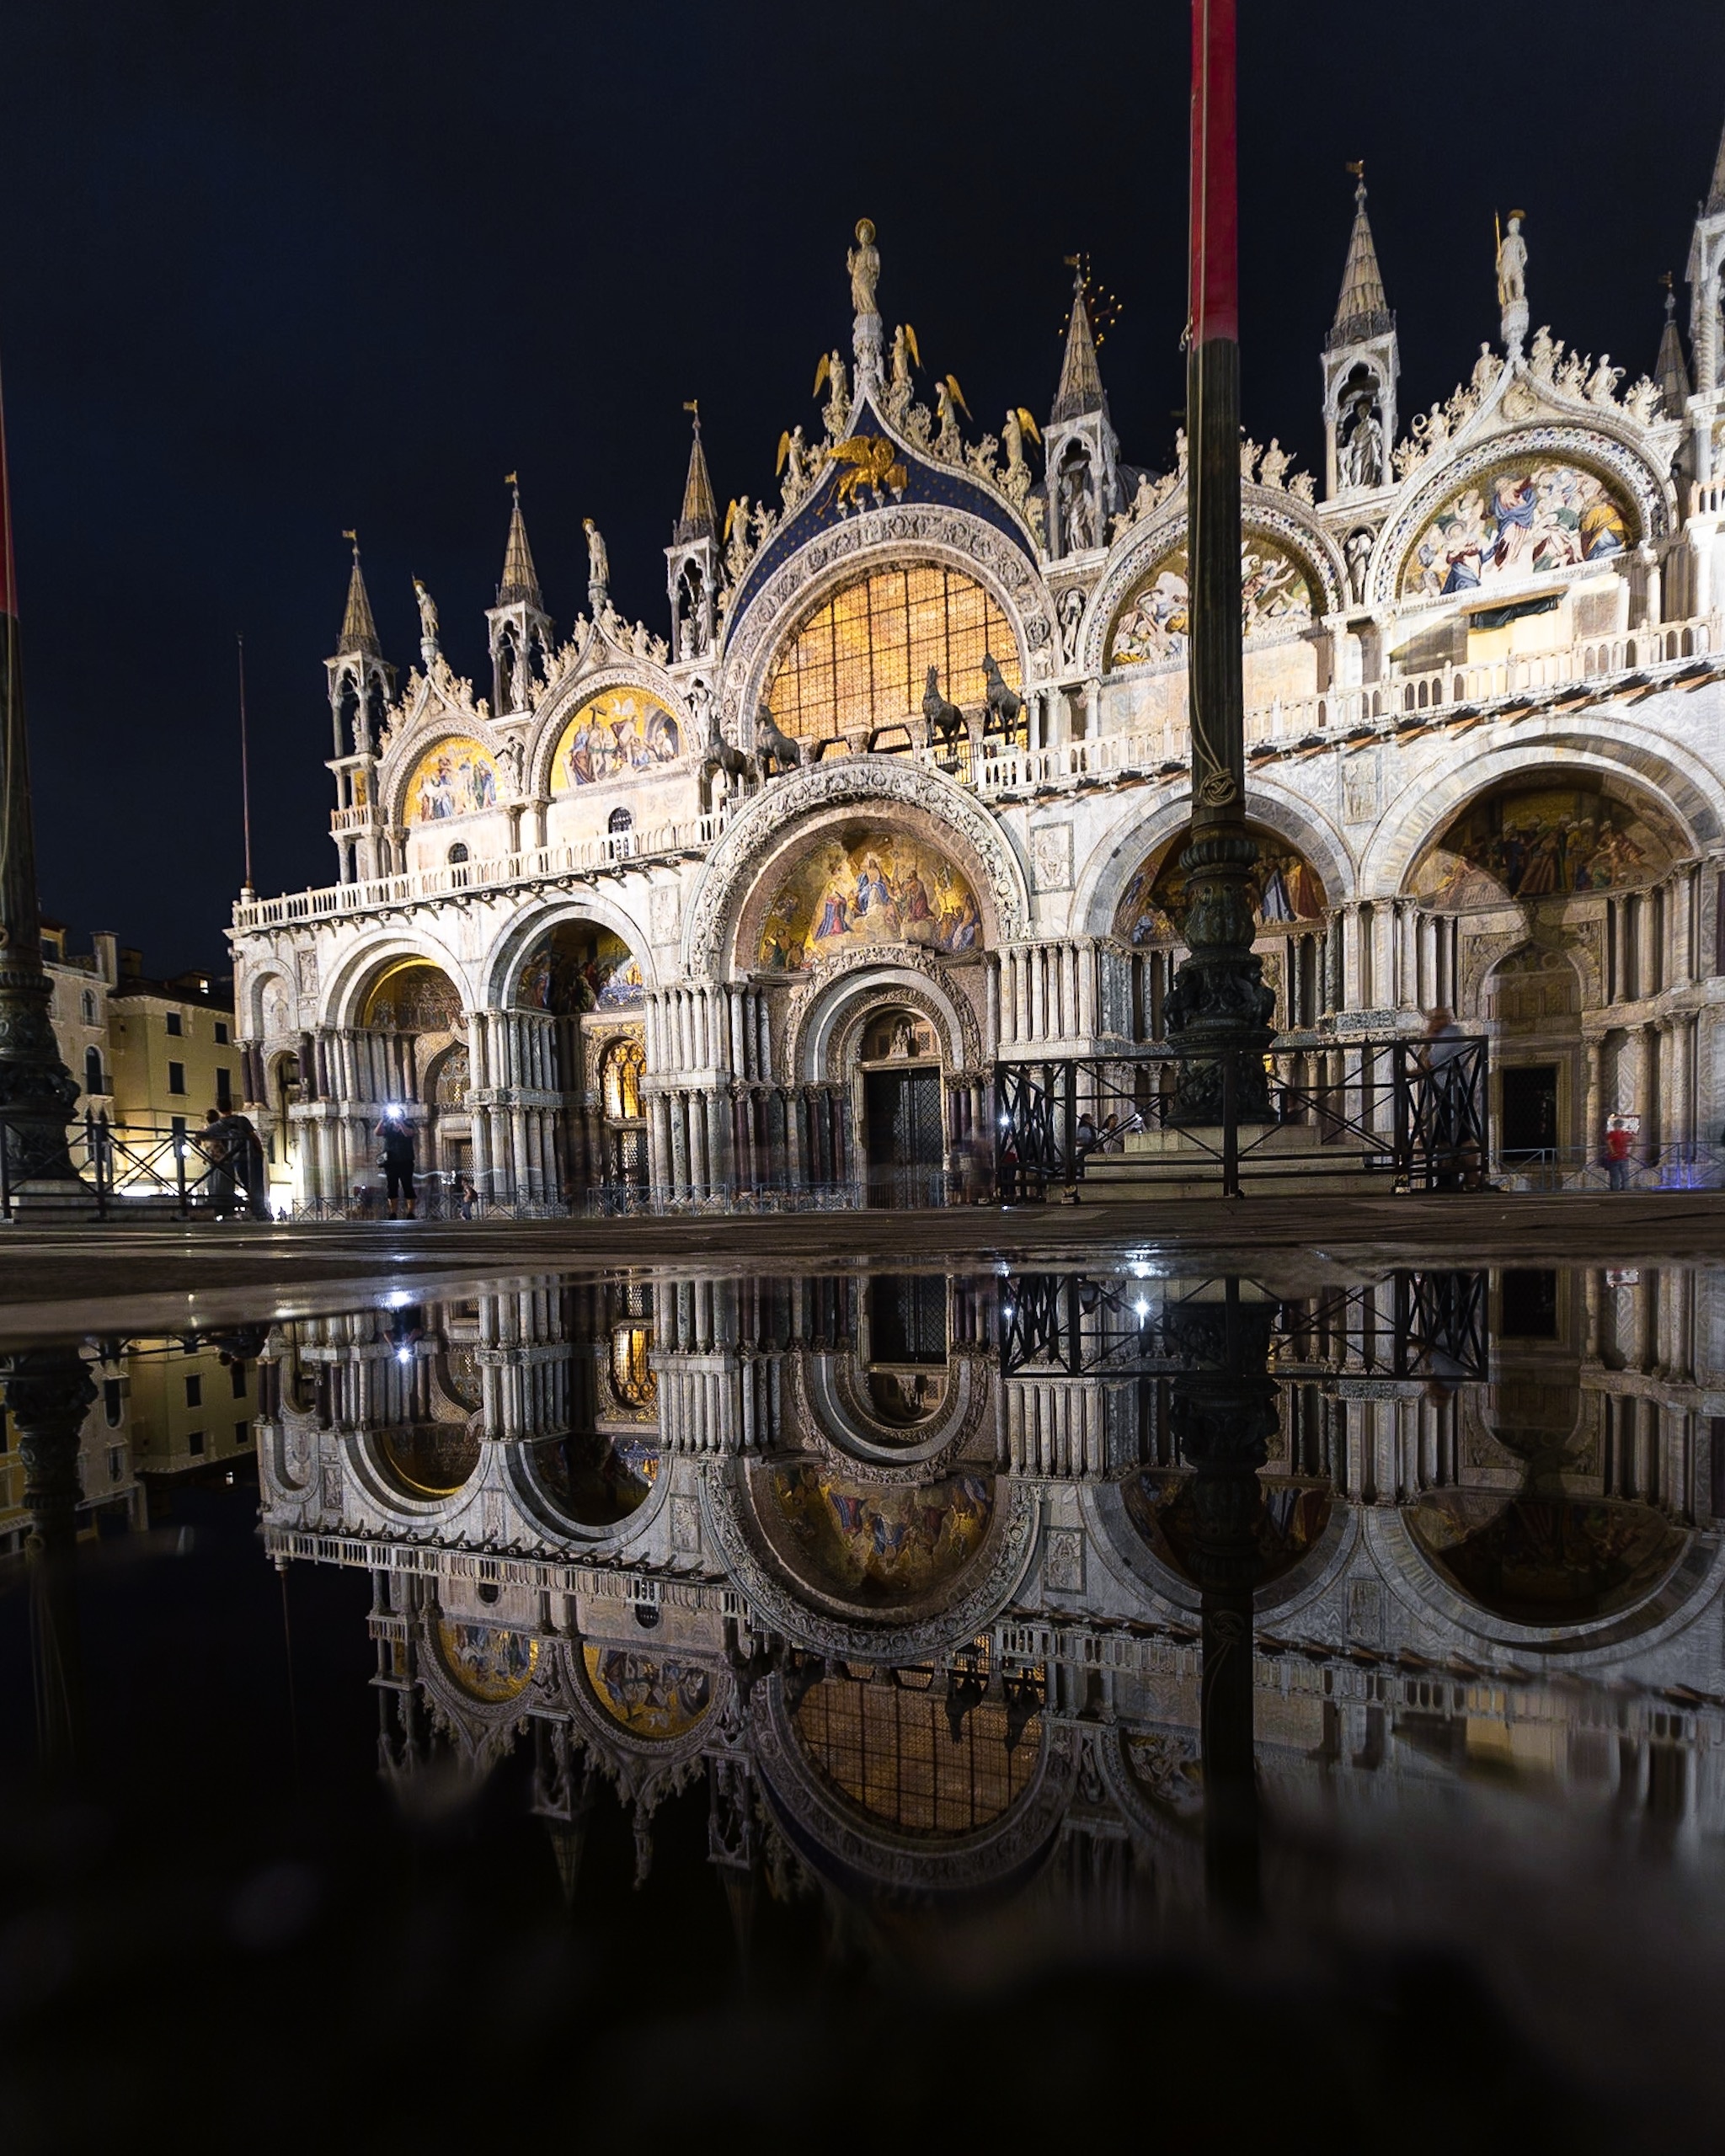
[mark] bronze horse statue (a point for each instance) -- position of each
(939, 715)
(1005, 706)
(774, 749)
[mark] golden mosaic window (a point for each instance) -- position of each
(893, 1752)
(862, 659)
(621, 1073)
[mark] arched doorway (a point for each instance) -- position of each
(577, 1028)
(1290, 906)
(406, 1059)
(899, 1108)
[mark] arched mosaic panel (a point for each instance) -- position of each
(613, 734)
(455, 778)
(1545, 842)
(414, 997)
(1523, 520)
(867, 888)
(1152, 626)
(1286, 892)
(862, 659)
(877, 1543)
(487, 1661)
(575, 968)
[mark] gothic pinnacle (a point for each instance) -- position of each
(1363, 309)
(520, 579)
(358, 632)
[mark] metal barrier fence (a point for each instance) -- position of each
(1684, 1166)
(129, 1168)
(1410, 1111)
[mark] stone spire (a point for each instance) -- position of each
(1363, 311)
(1081, 388)
(1669, 370)
(1716, 193)
(699, 519)
(358, 632)
(520, 579)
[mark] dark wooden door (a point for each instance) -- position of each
(902, 1136)
(1529, 1109)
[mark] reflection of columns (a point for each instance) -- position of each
(48, 1392)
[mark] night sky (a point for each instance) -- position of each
(267, 273)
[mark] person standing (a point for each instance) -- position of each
(1618, 1145)
(216, 1145)
(398, 1163)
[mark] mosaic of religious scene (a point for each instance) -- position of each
(650, 1695)
(1545, 842)
(415, 998)
(575, 968)
(430, 1459)
(1274, 594)
(456, 778)
(1515, 524)
(1160, 1505)
(1545, 1560)
(880, 886)
(881, 1543)
(616, 732)
(596, 1480)
(1286, 891)
(486, 1660)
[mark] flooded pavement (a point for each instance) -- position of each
(973, 1682)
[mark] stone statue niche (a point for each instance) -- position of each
(1361, 452)
(1076, 498)
(691, 637)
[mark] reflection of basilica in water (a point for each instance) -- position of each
(909, 764)
(922, 1575)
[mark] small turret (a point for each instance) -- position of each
(519, 623)
(360, 687)
(1361, 363)
(1081, 449)
(360, 684)
(692, 559)
(1707, 253)
(1670, 370)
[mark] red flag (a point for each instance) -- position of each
(1214, 299)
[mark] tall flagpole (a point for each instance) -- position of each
(1219, 1008)
(36, 1089)
(245, 768)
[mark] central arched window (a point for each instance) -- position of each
(862, 658)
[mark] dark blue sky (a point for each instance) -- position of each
(267, 273)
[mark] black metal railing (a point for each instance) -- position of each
(1411, 1110)
(121, 1169)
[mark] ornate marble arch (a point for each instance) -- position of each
(882, 538)
(1131, 841)
(1644, 492)
(528, 1487)
(560, 704)
(876, 783)
(501, 967)
(868, 1847)
(828, 1006)
(342, 995)
(1614, 745)
(642, 1769)
(761, 1575)
(1263, 509)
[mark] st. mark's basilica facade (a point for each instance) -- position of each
(759, 902)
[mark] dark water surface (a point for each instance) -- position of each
(901, 1707)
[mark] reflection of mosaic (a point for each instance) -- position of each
(1168, 1770)
(872, 1542)
(597, 1480)
(1155, 622)
(1286, 890)
(415, 998)
(1291, 1519)
(1516, 523)
(1539, 1560)
(619, 731)
(1545, 842)
(879, 887)
(433, 1459)
(456, 778)
(650, 1695)
(575, 968)
(487, 1662)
